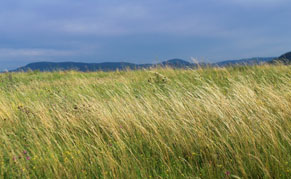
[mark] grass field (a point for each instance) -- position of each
(161, 123)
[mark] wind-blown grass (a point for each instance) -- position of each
(159, 123)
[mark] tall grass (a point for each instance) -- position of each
(161, 123)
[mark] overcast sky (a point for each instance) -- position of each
(141, 31)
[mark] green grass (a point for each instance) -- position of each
(161, 123)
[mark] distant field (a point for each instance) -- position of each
(162, 123)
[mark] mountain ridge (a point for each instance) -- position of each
(285, 59)
(104, 66)
(112, 66)
(245, 61)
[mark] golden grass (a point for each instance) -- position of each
(158, 123)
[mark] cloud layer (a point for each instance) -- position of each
(141, 31)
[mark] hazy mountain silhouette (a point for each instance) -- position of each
(285, 59)
(56, 66)
(247, 61)
(107, 66)
(112, 66)
(176, 63)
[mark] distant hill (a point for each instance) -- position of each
(247, 61)
(56, 66)
(177, 63)
(107, 66)
(285, 59)
(112, 66)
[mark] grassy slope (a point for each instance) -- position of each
(210, 123)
